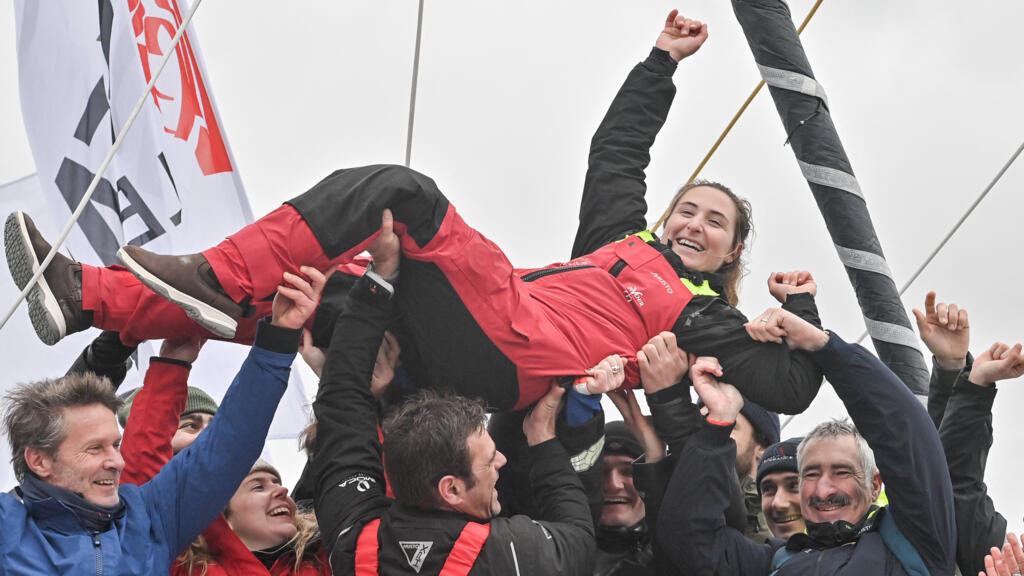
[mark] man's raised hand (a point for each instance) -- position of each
(945, 330)
(297, 298)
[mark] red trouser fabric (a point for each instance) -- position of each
(121, 303)
(476, 326)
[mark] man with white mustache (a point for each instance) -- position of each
(839, 481)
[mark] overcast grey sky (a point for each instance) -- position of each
(925, 95)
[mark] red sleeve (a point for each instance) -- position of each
(156, 412)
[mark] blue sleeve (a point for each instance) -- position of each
(197, 483)
(580, 408)
(906, 446)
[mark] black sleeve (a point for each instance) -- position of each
(768, 374)
(105, 356)
(906, 445)
(560, 496)
(692, 531)
(940, 388)
(347, 467)
(966, 435)
(804, 306)
(613, 202)
(674, 415)
(559, 539)
(584, 443)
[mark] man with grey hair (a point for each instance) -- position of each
(69, 515)
(847, 532)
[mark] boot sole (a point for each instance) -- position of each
(207, 316)
(43, 310)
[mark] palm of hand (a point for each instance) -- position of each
(946, 343)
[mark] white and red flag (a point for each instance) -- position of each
(172, 187)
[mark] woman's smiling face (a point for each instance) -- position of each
(702, 229)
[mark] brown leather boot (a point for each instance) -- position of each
(55, 302)
(189, 282)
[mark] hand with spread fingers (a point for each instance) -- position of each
(782, 284)
(1005, 562)
(945, 330)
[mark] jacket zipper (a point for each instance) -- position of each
(537, 274)
(98, 549)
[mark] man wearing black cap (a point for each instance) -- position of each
(778, 483)
(623, 539)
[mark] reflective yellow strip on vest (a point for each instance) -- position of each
(645, 235)
(702, 290)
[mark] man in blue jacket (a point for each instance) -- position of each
(839, 478)
(70, 515)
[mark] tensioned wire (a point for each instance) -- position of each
(415, 80)
(103, 167)
(946, 239)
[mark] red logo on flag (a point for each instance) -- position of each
(194, 101)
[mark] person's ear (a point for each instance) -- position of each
(451, 490)
(876, 486)
(734, 254)
(39, 462)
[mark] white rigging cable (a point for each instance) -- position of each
(956, 226)
(169, 51)
(946, 239)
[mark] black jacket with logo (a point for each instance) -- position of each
(350, 479)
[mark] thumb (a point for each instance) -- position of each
(554, 396)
